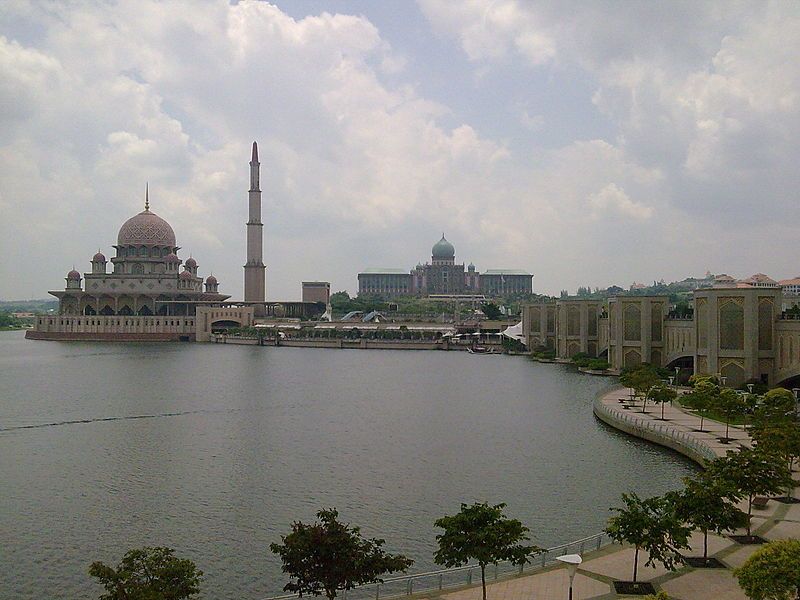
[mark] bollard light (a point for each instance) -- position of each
(572, 561)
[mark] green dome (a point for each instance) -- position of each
(443, 249)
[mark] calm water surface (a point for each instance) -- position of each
(214, 450)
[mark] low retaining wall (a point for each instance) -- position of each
(658, 433)
(364, 344)
(89, 336)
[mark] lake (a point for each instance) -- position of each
(215, 449)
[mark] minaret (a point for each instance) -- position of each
(254, 281)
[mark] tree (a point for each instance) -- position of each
(492, 311)
(781, 438)
(483, 533)
(640, 379)
(777, 405)
(148, 574)
(661, 394)
(328, 556)
(701, 397)
(751, 472)
(731, 404)
(652, 525)
(772, 572)
(707, 504)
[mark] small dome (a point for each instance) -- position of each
(211, 280)
(190, 262)
(99, 257)
(172, 257)
(443, 249)
(73, 275)
(146, 229)
(186, 275)
(471, 267)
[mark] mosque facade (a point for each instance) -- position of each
(442, 275)
(146, 292)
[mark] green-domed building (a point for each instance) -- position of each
(443, 276)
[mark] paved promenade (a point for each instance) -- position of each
(615, 562)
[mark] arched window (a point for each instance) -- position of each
(702, 323)
(731, 325)
(573, 320)
(632, 358)
(137, 269)
(765, 322)
(632, 323)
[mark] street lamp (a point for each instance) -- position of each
(572, 561)
(750, 387)
(796, 391)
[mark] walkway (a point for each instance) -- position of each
(599, 569)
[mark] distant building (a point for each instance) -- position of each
(790, 286)
(761, 281)
(317, 291)
(444, 276)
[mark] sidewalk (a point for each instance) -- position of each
(595, 577)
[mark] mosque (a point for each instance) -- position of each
(145, 278)
(148, 293)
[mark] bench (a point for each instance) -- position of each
(760, 502)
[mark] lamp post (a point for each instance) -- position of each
(572, 561)
(750, 387)
(796, 391)
(671, 379)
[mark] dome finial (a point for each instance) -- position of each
(147, 197)
(254, 157)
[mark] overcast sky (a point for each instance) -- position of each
(588, 143)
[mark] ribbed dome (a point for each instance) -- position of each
(172, 258)
(73, 275)
(146, 229)
(99, 257)
(190, 262)
(211, 280)
(186, 275)
(443, 249)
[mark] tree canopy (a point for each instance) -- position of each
(772, 572)
(708, 504)
(751, 472)
(328, 556)
(651, 525)
(148, 574)
(483, 533)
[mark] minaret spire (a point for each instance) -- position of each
(254, 282)
(147, 197)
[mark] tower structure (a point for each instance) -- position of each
(254, 269)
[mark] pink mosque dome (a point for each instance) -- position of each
(172, 258)
(73, 275)
(191, 263)
(146, 229)
(186, 275)
(211, 280)
(99, 257)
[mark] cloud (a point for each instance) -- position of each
(613, 198)
(681, 117)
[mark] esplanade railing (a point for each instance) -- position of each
(406, 585)
(658, 429)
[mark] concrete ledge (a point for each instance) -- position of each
(661, 433)
(88, 336)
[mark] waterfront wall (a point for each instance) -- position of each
(659, 433)
(113, 328)
(363, 344)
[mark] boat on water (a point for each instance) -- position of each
(482, 350)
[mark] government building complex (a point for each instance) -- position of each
(443, 276)
(737, 330)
